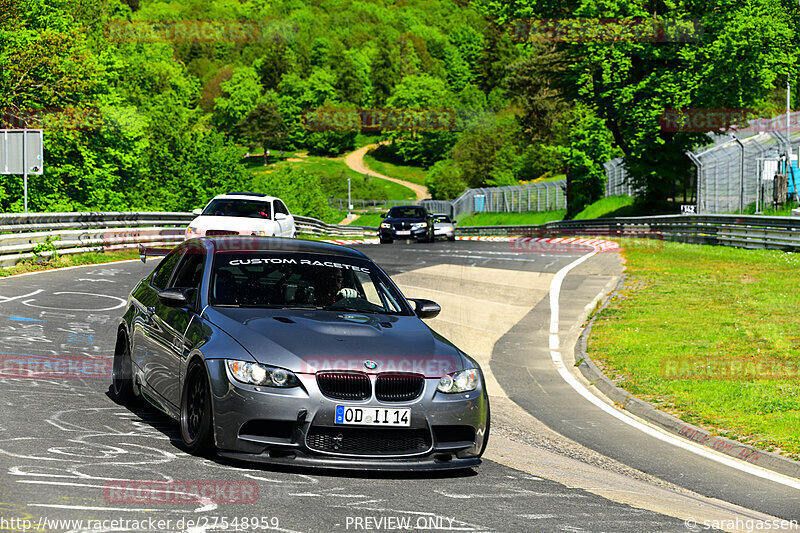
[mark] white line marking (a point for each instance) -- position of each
(555, 354)
(90, 508)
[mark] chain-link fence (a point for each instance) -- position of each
(539, 196)
(617, 179)
(732, 172)
(737, 172)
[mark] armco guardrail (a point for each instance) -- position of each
(743, 231)
(21, 234)
(67, 233)
(317, 227)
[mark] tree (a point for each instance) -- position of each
(384, 74)
(264, 125)
(240, 96)
(740, 57)
(585, 145)
(445, 180)
(424, 105)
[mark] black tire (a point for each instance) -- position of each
(451, 238)
(197, 431)
(386, 241)
(122, 372)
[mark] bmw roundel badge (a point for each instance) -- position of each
(370, 365)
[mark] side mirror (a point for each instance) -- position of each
(280, 216)
(383, 215)
(455, 223)
(197, 212)
(175, 297)
(425, 308)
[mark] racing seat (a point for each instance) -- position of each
(224, 290)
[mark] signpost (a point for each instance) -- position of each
(22, 152)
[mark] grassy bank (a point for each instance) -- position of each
(333, 174)
(709, 334)
(613, 206)
(512, 219)
(404, 172)
(61, 261)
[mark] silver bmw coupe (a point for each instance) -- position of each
(298, 353)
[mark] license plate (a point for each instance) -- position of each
(403, 232)
(372, 416)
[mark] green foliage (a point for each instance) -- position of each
(613, 206)
(264, 125)
(300, 190)
(240, 96)
(45, 246)
(420, 144)
(738, 61)
(161, 119)
(587, 146)
(446, 180)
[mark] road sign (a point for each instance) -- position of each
(22, 152)
(12, 145)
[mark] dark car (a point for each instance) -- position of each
(407, 222)
(301, 353)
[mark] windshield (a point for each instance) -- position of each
(238, 208)
(296, 280)
(443, 218)
(406, 212)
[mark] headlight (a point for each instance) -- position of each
(419, 225)
(385, 225)
(191, 231)
(256, 374)
(464, 381)
(260, 233)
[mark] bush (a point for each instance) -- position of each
(300, 190)
(445, 180)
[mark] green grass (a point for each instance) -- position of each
(784, 211)
(688, 329)
(613, 206)
(404, 172)
(372, 220)
(61, 261)
(333, 174)
(512, 219)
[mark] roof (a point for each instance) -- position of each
(245, 196)
(234, 243)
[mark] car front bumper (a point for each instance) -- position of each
(391, 234)
(284, 418)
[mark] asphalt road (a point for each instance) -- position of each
(64, 444)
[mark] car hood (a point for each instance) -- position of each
(305, 341)
(399, 220)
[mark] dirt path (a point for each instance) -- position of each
(355, 160)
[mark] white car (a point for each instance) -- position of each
(242, 213)
(444, 226)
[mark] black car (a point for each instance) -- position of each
(407, 222)
(298, 353)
